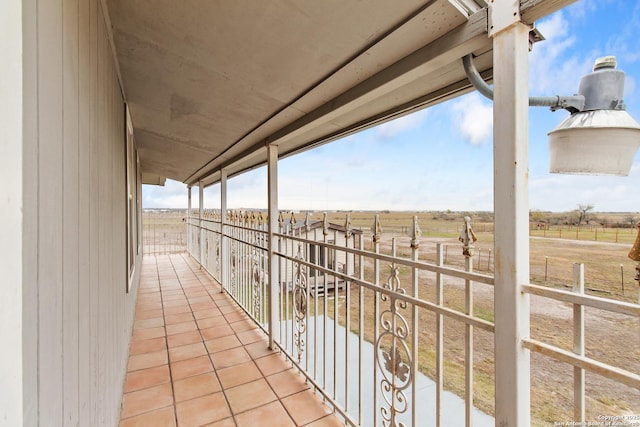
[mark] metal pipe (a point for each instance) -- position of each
(572, 103)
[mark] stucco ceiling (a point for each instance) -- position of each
(209, 83)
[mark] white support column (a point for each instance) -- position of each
(223, 219)
(189, 239)
(511, 207)
(12, 326)
(274, 280)
(200, 217)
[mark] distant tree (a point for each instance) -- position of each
(630, 220)
(537, 215)
(582, 213)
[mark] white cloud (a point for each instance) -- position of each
(411, 121)
(554, 69)
(474, 118)
(172, 195)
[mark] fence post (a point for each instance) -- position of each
(578, 345)
(546, 267)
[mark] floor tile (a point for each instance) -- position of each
(216, 332)
(184, 338)
(196, 386)
(188, 351)
(178, 318)
(211, 322)
(202, 410)
(236, 316)
(249, 337)
(223, 343)
(179, 328)
(145, 334)
(243, 325)
(175, 303)
(139, 402)
(249, 396)
(274, 412)
(177, 310)
(227, 422)
(153, 322)
(203, 314)
(238, 374)
(305, 407)
(259, 349)
(272, 364)
(227, 309)
(203, 306)
(190, 367)
(286, 383)
(328, 421)
(147, 360)
(234, 356)
(147, 314)
(164, 417)
(147, 346)
(145, 378)
(199, 299)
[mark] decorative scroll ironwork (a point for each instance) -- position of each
(233, 268)
(257, 272)
(394, 356)
(300, 295)
(217, 244)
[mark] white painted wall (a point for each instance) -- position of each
(11, 213)
(76, 313)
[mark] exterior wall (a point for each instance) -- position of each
(11, 214)
(76, 312)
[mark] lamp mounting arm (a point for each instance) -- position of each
(573, 103)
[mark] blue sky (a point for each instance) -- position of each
(442, 158)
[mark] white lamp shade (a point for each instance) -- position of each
(600, 142)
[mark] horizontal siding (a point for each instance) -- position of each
(77, 312)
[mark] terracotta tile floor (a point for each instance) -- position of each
(196, 359)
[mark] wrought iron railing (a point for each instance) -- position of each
(364, 317)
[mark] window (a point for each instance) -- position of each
(133, 199)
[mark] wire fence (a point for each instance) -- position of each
(164, 231)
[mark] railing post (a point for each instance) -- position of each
(200, 217)
(189, 246)
(224, 258)
(511, 207)
(274, 281)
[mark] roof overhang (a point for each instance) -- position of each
(210, 84)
